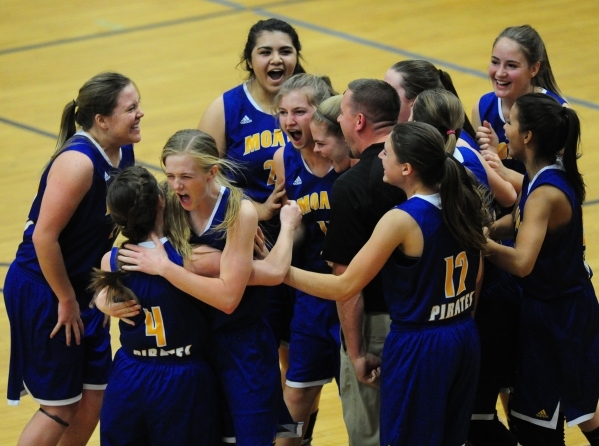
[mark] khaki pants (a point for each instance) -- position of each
(361, 403)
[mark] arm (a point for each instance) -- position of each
(351, 316)
(503, 229)
(213, 123)
(475, 119)
(205, 261)
(69, 179)
(543, 211)
(392, 230)
(509, 175)
(479, 283)
(504, 192)
(224, 292)
(272, 269)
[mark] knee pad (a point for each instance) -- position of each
(55, 418)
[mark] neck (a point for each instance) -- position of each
(200, 215)
(419, 189)
(534, 166)
(262, 97)
(111, 149)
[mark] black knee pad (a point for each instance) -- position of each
(55, 418)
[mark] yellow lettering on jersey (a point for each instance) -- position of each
(304, 204)
(460, 261)
(324, 200)
(277, 138)
(155, 327)
(323, 226)
(252, 143)
(314, 201)
(270, 165)
(266, 138)
(517, 220)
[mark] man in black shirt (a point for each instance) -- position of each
(369, 110)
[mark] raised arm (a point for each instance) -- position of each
(69, 179)
(213, 123)
(272, 269)
(504, 192)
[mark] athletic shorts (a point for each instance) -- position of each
(428, 381)
(152, 401)
(559, 364)
(497, 319)
(315, 343)
(52, 372)
(246, 361)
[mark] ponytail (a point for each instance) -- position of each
(422, 146)
(554, 128)
(463, 207)
(116, 291)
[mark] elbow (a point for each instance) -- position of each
(508, 199)
(522, 270)
(230, 305)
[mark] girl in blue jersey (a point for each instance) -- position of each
(559, 328)
(411, 77)
(498, 307)
(161, 370)
(60, 348)
(519, 65)
(242, 346)
(243, 123)
(428, 249)
(242, 120)
(308, 178)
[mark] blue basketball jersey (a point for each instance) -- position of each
(489, 109)
(172, 324)
(468, 139)
(253, 302)
(312, 195)
(87, 236)
(468, 158)
(252, 136)
(560, 267)
(440, 284)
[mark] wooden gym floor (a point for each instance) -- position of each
(183, 54)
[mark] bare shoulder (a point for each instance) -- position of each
(213, 123)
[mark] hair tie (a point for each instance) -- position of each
(450, 132)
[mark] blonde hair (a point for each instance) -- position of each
(443, 110)
(316, 88)
(327, 113)
(202, 148)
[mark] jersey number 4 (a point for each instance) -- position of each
(451, 264)
(154, 326)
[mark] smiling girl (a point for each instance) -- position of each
(428, 249)
(60, 351)
(519, 65)
(559, 317)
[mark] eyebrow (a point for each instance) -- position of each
(266, 47)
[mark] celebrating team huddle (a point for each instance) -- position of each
(379, 238)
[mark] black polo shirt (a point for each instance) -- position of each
(359, 199)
